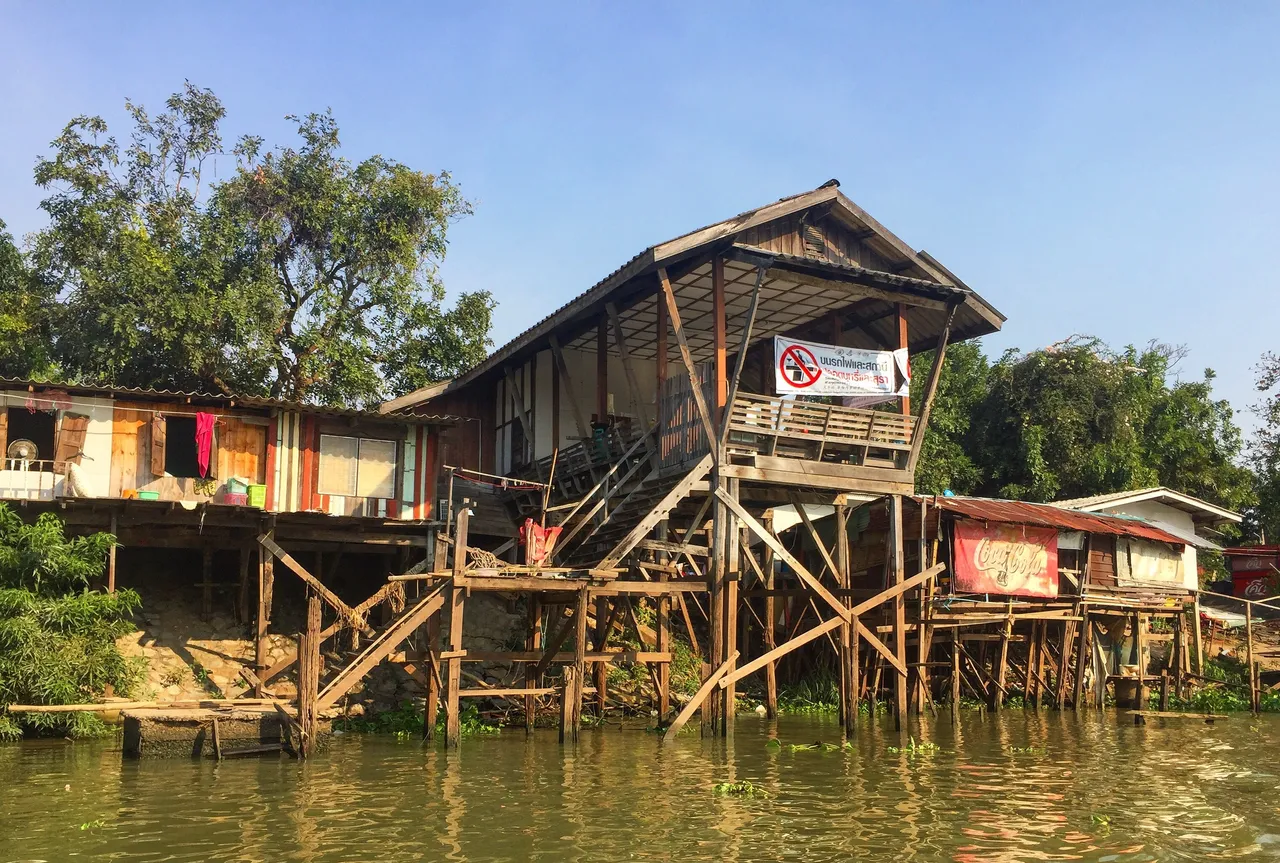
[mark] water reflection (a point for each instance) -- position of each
(1017, 786)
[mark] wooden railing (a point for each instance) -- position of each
(818, 430)
(24, 479)
(682, 439)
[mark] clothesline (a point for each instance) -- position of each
(66, 404)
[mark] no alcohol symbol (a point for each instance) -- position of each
(800, 366)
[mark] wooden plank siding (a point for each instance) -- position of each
(839, 244)
(1102, 560)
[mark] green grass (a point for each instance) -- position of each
(741, 788)
(406, 720)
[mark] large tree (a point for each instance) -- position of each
(350, 252)
(24, 309)
(1264, 519)
(1079, 419)
(300, 276)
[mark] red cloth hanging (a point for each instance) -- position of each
(204, 441)
(538, 541)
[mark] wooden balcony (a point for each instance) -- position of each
(806, 443)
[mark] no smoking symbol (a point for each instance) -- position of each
(800, 366)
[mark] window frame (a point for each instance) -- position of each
(322, 488)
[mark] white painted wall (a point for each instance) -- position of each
(1163, 515)
(95, 468)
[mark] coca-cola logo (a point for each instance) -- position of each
(1257, 589)
(1010, 563)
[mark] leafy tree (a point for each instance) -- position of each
(301, 276)
(57, 637)
(350, 253)
(945, 460)
(1264, 519)
(1078, 419)
(24, 308)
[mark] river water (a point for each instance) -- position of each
(1020, 786)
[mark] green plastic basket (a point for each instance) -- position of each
(237, 486)
(258, 496)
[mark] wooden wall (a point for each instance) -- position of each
(824, 239)
(241, 451)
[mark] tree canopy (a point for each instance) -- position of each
(1264, 456)
(1079, 419)
(303, 275)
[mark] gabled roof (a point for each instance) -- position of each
(1201, 511)
(913, 272)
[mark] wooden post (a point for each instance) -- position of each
(900, 314)
(457, 607)
(1069, 639)
(568, 698)
(601, 639)
(309, 662)
(266, 578)
(111, 555)
(732, 539)
(1140, 644)
(662, 626)
(770, 627)
(579, 656)
(1082, 659)
(1031, 682)
(1249, 663)
(660, 362)
(898, 575)
(848, 634)
(1164, 690)
(719, 337)
(715, 612)
(431, 709)
(1199, 644)
(995, 698)
(533, 643)
(955, 675)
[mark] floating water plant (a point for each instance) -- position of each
(913, 748)
(742, 788)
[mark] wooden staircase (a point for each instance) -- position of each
(647, 504)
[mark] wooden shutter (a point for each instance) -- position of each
(157, 445)
(213, 452)
(71, 436)
(4, 432)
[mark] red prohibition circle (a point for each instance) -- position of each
(805, 361)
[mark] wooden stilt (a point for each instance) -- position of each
(431, 709)
(995, 698)
(662, 627)
(309, 661)
(533, 643)
(579, 657)
(457, 609)
(266, 577)
(568, 700)
(1082, 659)
(1250, 665)
(898, 575)
(1140, 647)
(955, 675)
(733, 570)
(603, 624)
(770, 629)
(1195, 613)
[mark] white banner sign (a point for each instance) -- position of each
(809, 368)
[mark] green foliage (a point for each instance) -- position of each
(1263, 521)
(913, 749)
(303, 275)
(1078, 419)
(57, 637)
(742, 788)
(406, 720)
(817, 692)
(25, 348)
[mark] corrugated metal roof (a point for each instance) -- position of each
(1048, 515)
(225, 399)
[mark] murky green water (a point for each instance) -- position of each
(1093, 788)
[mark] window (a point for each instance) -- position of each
(357, 467)
(180, 447)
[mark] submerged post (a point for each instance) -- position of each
(457, 603)
(309, 676)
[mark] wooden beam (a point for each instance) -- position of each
(692, 705)
(566, 388)
(740, 361)
(782, 650)
(690, 367)
(516, 395)
(930, 391)
(659, 512)
(314, 583)
(900, 318)
(628, 368)
(602, 370)
(780, 550)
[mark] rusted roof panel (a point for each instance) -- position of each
(1048, 515)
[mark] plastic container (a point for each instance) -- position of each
(237, 486)
(148, 495)
(258, 496)
(235, 498)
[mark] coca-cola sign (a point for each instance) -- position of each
(1007, 559)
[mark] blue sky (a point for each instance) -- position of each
(1107, 169)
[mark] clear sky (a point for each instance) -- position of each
(1104, 168)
